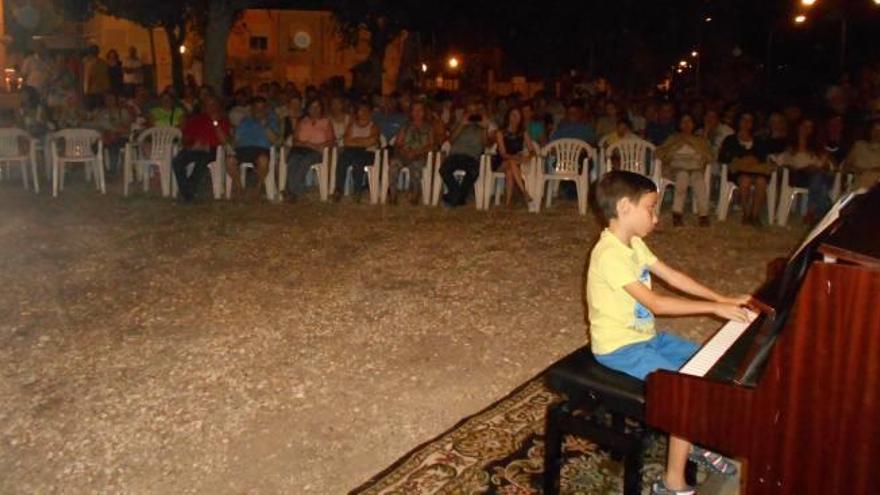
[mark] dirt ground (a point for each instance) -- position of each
(147, 347)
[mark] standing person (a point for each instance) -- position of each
(202, 134)
(622, 305)
(96, 78)
(114, 71)
(312, 134)
(36, 69)
(132, 71)
(360, 140)
(809, 167)
(514, 147)
(685, 156)
(413, 143)
(748, 166)
(468, 140)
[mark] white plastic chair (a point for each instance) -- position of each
(638, 155)
(403, 179)
(79, 147)
(787, 196)
(373, 174)
(725, 196)
(163, 141)
(320, 169)
(10, 155)
(268, 182)
(565, 167)
(217, 168)
(459, 175)
(838, 189)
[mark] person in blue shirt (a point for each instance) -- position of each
(659, 131)
(254, 138)
(389, 118)
(574, 125)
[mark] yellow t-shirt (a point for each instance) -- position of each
(616, 318)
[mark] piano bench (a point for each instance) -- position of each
(592, 393)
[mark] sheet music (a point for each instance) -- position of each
(711, 352)
(829, 218)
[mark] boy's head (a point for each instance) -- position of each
(630, 199)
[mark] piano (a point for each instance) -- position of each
(794, 394)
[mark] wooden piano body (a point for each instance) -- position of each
(800, 405)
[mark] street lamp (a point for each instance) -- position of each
(708, 19)
(424, 67)
(800, 19)
(453, 63)
(808, 3)
(695, 54)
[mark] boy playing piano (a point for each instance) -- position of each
(622, 306)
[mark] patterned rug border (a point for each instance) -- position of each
(413, 451)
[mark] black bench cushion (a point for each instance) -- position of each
(579, 375)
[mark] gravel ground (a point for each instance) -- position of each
(240, 348)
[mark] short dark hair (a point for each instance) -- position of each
(619, 184)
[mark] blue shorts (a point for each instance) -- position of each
(664, 351)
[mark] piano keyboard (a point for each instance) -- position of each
(711, 352)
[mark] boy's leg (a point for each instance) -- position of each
(676, 461)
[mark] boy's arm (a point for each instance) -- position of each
(688, 285)
(666, 305)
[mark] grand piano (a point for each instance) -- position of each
(795, 393)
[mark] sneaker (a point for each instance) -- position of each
(659, 488)
(716, 463)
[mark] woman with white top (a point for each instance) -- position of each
(359, 140)
(685, 157)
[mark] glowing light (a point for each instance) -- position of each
(708, 19)
(808, 3)
(678, 70)
(453, 63)
(683, 63)
(800, 19)
(182, 49)
(695, 54)
(424, 67)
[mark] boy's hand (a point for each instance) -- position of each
(730, 311)
(739, 300)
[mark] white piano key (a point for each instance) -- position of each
(711, 352)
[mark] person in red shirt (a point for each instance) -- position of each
(202, 134)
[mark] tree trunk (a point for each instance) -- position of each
(155, 66)
(220, 16)
(174, 41)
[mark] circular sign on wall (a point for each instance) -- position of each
(302, 40)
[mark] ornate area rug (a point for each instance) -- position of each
(501, 451)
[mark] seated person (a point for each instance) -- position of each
(468, 140)
(574, 125)
(748, 166)
(411, 147)
(360, 142)
(114, 122)
(167, 113)
(514, 148)
(202, 134)
(809, 167)
(684, 157)
(311, 135)
(864, 158)
(254, 138)
(622, 306)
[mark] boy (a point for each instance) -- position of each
(622, 306)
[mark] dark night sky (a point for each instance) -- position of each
(626, 37)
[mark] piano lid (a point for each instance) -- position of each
(857, 238)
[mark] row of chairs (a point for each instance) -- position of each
(558, 161)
